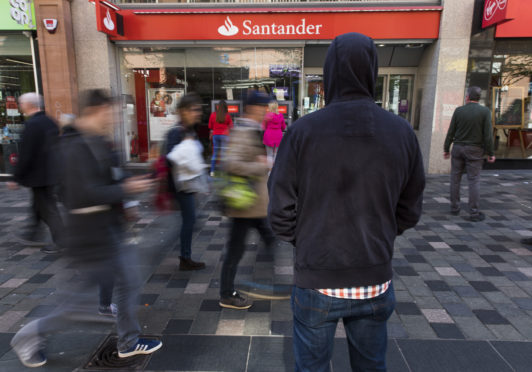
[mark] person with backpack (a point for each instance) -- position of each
(189, 109)
(219, 124)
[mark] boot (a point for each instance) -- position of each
(187, 264)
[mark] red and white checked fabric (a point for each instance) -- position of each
(357, 293)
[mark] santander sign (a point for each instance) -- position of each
(250, 28)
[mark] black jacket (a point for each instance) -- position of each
(37, 157)
(89, 179)
(347, 178)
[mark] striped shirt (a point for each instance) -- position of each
(357, 293)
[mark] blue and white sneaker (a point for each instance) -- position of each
(111, 310)
(143, 346)
(34, 360)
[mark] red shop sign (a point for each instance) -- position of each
(494, 12)
(519, 17)
(233, 109)
(106, 17)
(283, 109)
(280, 24)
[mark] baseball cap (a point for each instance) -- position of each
(257, 98)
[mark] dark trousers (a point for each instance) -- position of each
(105, 286)
(237, 246)
(44, 208)
(468, 159)
(187, 203)
(316, 317)
(78, 302)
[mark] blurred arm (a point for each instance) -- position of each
(410, 203)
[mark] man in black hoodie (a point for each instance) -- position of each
(347, 180)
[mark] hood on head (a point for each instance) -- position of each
(351, 68)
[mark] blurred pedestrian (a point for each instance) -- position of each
(246, 157)
(93, 197)
(470, 133)
(273, 126)
(37, 169)
(189, 109)
(220, 123)
(340, 192)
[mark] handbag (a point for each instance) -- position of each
(237, 192)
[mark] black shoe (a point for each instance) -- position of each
(50, 250)
(527, 241)
(187, 264)
(235, 301)
(455, 213)
(477, 218)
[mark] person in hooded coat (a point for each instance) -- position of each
(347, 180)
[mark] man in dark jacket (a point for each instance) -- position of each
(470, 133)
(347, 180)
(37, 169)
(93, 194)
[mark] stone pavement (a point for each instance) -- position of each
(464, 291)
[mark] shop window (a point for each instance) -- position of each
(16, 78)
(511, 83)
(152, 77)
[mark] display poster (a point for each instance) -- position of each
(162, 110)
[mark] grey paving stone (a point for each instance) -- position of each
(205, 323)
(466, 291)
(450, 356)
(447, 331)
(523, 303)
(483, 286)
(417, 327)
(518, 354)
(490, 317)
(458, 309)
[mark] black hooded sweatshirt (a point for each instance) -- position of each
(347, 179)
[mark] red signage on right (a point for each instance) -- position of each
(494, 12)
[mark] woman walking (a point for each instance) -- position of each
(189, 109)
(219, 123)
(273, 127)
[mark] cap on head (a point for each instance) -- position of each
(257, 99)
(95, 98)
(33, 99)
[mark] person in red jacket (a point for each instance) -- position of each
(219, 124)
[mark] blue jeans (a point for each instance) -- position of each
(218, 145)
(187, 203)
(315, 319)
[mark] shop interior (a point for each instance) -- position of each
(153, 80)
(16, 78)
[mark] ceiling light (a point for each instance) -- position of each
(21, 62)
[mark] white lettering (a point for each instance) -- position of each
(300, 29)
(274, 29)
(247, 28)
(265, 30)
(290, 29)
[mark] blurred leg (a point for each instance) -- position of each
(235, 250)
(188, 216)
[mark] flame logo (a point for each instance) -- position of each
(108, 21)
(228, 28)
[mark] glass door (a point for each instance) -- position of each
(399, 98)
(380, 91)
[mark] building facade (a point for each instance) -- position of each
(150, 53)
